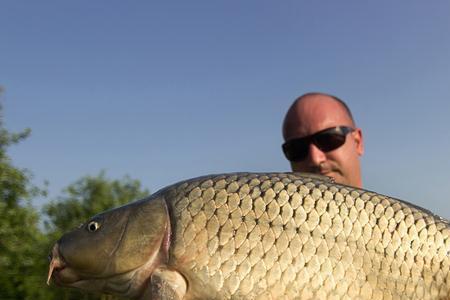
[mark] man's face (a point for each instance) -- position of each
(318, 112)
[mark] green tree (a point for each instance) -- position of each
(24, 246)
(21, 241)
(89, 196)
(81, 200)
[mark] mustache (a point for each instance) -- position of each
(323, 168)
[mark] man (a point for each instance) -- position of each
(321, 137)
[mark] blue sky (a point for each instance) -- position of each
(164, 91)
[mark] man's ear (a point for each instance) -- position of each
(359, 140)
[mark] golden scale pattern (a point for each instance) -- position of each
(288, 236)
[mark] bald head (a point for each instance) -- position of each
(314, 108)
(315, 112)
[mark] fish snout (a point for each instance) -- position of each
(56, 262)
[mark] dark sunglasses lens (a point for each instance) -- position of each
(296, 150)
(329, 141)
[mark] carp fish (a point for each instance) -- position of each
(259, 236)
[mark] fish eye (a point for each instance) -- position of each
(93, 226)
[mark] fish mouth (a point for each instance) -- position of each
(57, 264)
(61, 273)
(58, 271)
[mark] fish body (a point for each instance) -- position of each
(259, 236)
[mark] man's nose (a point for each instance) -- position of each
(315, 155)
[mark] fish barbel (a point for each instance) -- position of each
(259, 236)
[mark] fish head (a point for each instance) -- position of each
(115, 251)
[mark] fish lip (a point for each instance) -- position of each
(56, 266)
(56, 277)
(66, 276)
(56, 274)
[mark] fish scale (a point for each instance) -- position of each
(327, 249)
(262, 236)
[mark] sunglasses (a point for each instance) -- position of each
(326, 140)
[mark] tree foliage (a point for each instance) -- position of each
(24, 245)
(89, 196)
(21, 241)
